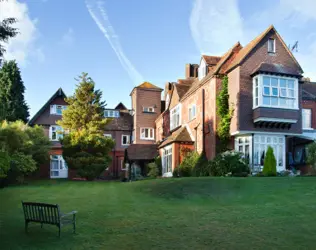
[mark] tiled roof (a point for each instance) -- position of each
(182, 89)
(187, 81)
(276, 69)
(211, 60)
(180, 135)
(124, 122)
(250, 46)
(147, 85)
(309, 91)
(142, 151)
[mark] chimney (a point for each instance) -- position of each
(187, 70)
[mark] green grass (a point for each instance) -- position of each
(188, 213)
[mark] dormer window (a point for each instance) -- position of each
(271, 45)
(202, 69)
(111, 113)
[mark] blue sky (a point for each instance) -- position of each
(121, 43)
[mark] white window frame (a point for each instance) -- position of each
(202, 71)
(53, 109)
(108, 135)
(307, 119)
(110, 113)
(191, 108)
(175, 111)
(261, 143)
(55, 128)
(148, 109)
(271, 50)
(127, 140)
(62, 167)
(143, 133)
(259, 95)
(241, 143)
(167, 161)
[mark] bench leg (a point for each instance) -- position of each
(59, 231)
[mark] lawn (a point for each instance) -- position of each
(188, 213)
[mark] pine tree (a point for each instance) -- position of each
(13, 106)
(85, 111)
(6, 32)
(85, 148)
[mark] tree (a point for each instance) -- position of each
(6, 32)
(22, 149)
(85, 148)
(269, 166)
(12, 90)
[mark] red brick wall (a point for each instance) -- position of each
(145, 98)
(309, 104)
(117, 137)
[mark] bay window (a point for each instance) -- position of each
(243, 144)
(167, 161)
(261, 143)
(306, 118)
(175, 117)
(147, 133)
(275, 92)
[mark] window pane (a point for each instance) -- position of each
(146, 133)
(283, 92)
(290, 84)
(282, 83)
(274, 82)
(291, 93)
(266, 81)
(266, 100)
(266, 90)
(290, 103)
(274, 101)
(282, 102)
(240, 149)
(275, 91)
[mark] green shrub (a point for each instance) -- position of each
(153, 170)
(269, 166)
(175, 172)
(311, 155)
(186, 167)
(159, 165)
(4, 164)
(202, 167)
(229, 162)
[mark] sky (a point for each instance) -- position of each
(121, 43)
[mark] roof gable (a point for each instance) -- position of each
(58, 93)
(120, 106)
(244, 52)
(211, 60)
(148, 85)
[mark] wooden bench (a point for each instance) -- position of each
(47, 214)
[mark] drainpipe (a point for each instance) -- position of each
(203, 122)
(252, 151)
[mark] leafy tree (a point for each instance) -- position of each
(22, 149)
(225, 115)
(13, 106)
(85, 148)
(311, 155)
(6, 32)
(153, 169)
(186, 167)
(269, 166)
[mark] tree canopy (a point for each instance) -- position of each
(6, 32)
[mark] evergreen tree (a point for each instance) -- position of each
(6, 32)
(269, 166)
(85, 148)
(13, 106)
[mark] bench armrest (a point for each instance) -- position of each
(67, 214)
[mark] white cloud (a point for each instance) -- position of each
(217, 25)
(68, 38)
(98, 13)
(21, 46)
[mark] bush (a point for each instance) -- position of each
(269, 166)
(202, 168)
(186, 167)
(311, 155)
(229, 162)
(159, 165)
(153, 170)
(4, 164)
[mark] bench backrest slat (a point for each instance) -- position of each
(41, 212)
